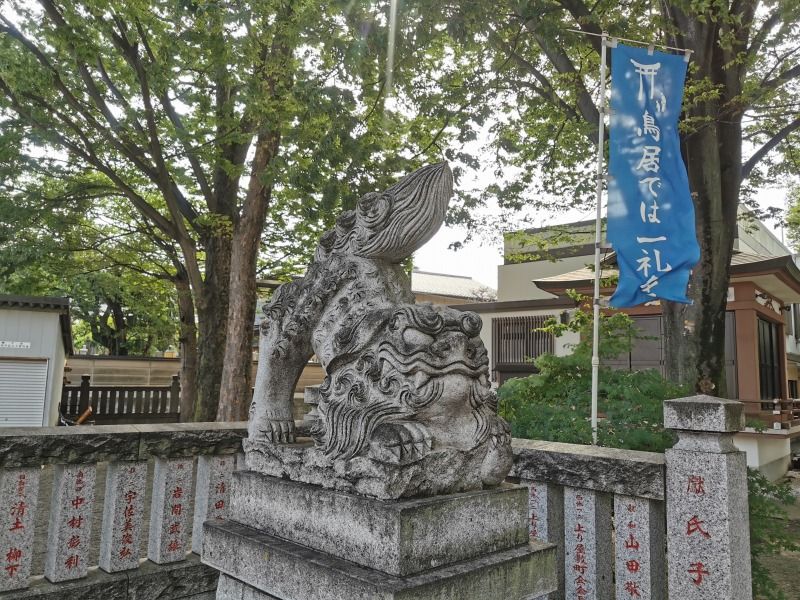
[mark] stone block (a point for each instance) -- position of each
(187, 580)
(35, 446)
(546, 524)
(123, 516)
(708, 539)
(704, 413)
(70, 531)
(639, 540)
(229, 588)
(293, 572)
(399, 537)
(19, 491)
(588, 545)
(628, 472)
(211, 500)
(190, 439)
(170, 508)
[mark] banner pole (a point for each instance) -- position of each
(601, 110)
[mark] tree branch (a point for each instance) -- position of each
(759, 154)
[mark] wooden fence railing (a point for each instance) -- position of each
(120, 405)
(774, 414)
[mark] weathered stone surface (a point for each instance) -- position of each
(626, 472)
(708, 535)
(287, 570)
(212, 496)
(399, 537)
(639, 541)
(123, 516)
(546, 524)
(190, 439)
(170, 509)
(454, 470)
(588, 546)
(189, 580)
(229, 588)
(70, 529)
(19, 491)
(704, 413)
(36, 446)
(406, 408)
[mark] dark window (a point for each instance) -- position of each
(793, 388)
(769, 367)
(796, 320)
(516, 341)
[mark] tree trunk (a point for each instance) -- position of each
(188, 349)
(212, 312)
(235, 393)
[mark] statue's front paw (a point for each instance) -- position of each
(400, 443)
(280, 431)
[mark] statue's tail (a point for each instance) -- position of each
(405, 216)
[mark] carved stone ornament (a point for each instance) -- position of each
(406, 408)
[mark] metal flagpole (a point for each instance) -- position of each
(601, 130)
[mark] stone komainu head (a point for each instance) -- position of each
(393, 224)
(416, 383)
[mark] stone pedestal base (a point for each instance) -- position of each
(468, 546)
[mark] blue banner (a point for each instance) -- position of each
(650, 212)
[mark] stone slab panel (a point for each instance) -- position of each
(627, 472)
(708, 540)
(123, 516)
(639, 541)
(170, 509)
(398, 537)
(546, 524)
(19, 491)
(70, 531)
(588, 545)
(212, 496)
(290, 571)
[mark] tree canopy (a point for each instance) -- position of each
(224, 135)
(222, 125)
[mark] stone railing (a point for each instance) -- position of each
(632, 525)
(83, 507)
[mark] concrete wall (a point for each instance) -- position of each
(769, 453)
(42, 330)
(514, 281)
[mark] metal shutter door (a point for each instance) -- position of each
(22, 389)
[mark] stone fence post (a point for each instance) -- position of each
(708, 534)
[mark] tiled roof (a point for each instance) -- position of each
(442, 284)
(39, 302)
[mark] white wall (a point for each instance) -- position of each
(42, 330)
(769, 453)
